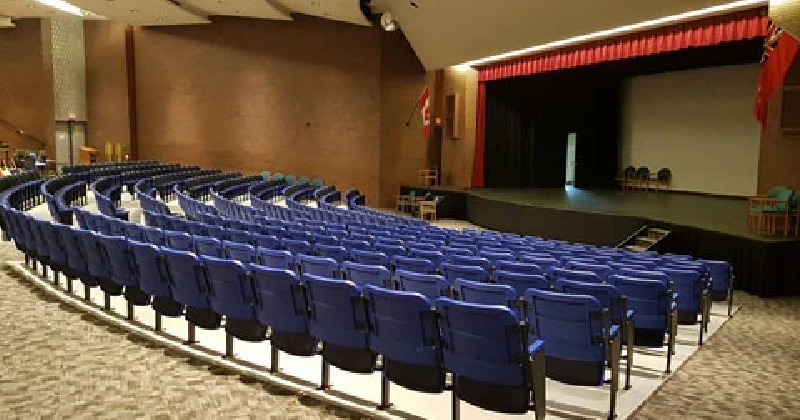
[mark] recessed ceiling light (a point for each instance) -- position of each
(60, 5)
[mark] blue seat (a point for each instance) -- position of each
(338, 319)
(58, 258)
(244, 253)
(241, 236)
(583, 276)
(391, 251)
(198, 229)
(300, 235)
(266, 241)
(122, 270)
(431, 286)
(494, 365)
(277, 231)
(352, 244)
(454, 250)
(335, 252)
(602, 271)
(722, 279)
(275, 258)
(388, 241)
(519, 267)
(520, 281)
(211, 247)
(369, 257)
(363, 274)
(320, 239)
(319, 266)
(180, 241)
(155, 236)
(580, 339)
(403, 329)
(494, 257)
(611, 299)
(619, 266)
(189, 287)
(655, 308)
(453, 272)
(692, 290)
(282, 305)
(546, 263)
(488, 294)
(218, 232)
(422, 246)
(231, 294)
(435, 257)
(417, 265)
(152, 279)
(298, 247)
(97, 265)
(135, 232)
(469, 261)
(356, 236)
(76, 256)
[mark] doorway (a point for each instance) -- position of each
(569, 177)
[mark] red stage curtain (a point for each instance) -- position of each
(717, 30)
(480, 138)
(738, 27)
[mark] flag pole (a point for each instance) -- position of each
(411, 115)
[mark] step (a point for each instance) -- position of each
(658, 231)
(645, 241)
(635, 248)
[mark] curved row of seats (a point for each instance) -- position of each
(352, 305)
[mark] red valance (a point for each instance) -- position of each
(735, 27)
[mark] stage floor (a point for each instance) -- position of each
(718, 214)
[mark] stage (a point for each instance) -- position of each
(704, 226)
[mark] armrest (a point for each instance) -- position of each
(536, 347)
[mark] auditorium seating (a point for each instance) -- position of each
(326, 274)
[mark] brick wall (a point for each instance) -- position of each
(26, 85)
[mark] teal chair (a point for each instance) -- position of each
(290, 179)
(303, 180)
(317, 183)
(277, 177)
(266, 175)
(770, 210)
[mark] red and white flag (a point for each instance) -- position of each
(780, 47)
(425, 108)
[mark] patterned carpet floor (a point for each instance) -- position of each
(58, 363)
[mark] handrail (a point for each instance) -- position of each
(20, 132)
(635, 234)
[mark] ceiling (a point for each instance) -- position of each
(442, 32)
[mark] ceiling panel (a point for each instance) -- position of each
(244, 8)
(342, 10)
(141, 12)
(449, 32)
(28, 9)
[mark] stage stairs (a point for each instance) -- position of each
(644, 238)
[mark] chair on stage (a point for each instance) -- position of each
(769, 209)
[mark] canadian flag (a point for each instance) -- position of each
(780, 47)
(425, 108)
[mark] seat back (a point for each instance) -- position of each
(207, 246)
(298, 247)
(721, 275)
(483, 343)
(689, 286)
(280, 300)
(337, 312)
(369, 257)
(149, 269)
(572, 328)
(417, 265)
(485, 293)
(391, 250)
(187, 282)
(275, 258)
(547, 264)
(181, 241)
(404, 331)
(494, 257)
(241, 236)
(607, 294)
(521, 282)
(230, 291)
(76, 256)
(431, 286)
(465, 260)
(648, 298)
(266, 241)
(645, 274)
(244, 253)
(95, 262)
(119, 259)
(135, 232)
(582, 276)
(319, 266)
(518, 267)
(334, 252)
(155, 236)
(363, 274)
(602, 270)
(453, 272)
